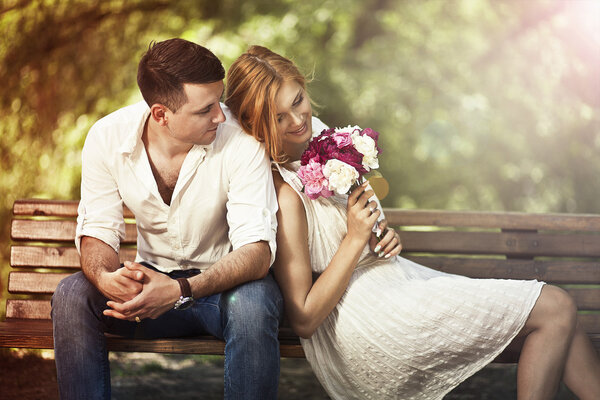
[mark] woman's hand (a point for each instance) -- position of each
(389, 245)
(362, 213)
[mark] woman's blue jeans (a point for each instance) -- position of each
(246, 317)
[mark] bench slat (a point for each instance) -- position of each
(56, 230)
(504, 220)
(33, 282)
(555, 271)
(38, 335)
(54, 208)
(54, 257)
(510, 243)
(27, 309)
(546, 270)
(45, 283)
(587, 299)
(522, 244)
(58, 208)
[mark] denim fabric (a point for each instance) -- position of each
(247, 317)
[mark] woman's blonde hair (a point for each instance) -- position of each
(253, 81)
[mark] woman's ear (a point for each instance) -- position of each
(159, 114)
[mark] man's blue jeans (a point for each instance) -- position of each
(247, 317)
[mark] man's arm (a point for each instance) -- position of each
(247, 263)
(159, 294)
(100, 264)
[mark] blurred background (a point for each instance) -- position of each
(481, 104)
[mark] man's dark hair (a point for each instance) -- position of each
(167, 65)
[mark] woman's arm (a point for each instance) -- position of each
(308, 304)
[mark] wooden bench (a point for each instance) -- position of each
(561, 249)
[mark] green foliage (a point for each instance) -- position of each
(481, 104)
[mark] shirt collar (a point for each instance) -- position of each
(133, 138)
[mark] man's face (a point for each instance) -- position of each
(197, 120)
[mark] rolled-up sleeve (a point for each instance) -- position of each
(100, 212)
(251, 203)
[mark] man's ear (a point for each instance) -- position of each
(159, 114)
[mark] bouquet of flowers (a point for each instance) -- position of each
(337, 159)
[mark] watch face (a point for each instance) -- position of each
(183, 303)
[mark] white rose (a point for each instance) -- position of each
(350, 129)
(340, 175)
(366, 146)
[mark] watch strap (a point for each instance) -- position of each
(186, 290)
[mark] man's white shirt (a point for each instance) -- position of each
(224, 196)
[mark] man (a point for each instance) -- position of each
(202, 194)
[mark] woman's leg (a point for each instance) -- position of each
(582, 369)
(546, 339)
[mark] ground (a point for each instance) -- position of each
(27, 375)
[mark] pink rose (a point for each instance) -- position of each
(342, 139)
(315, 183)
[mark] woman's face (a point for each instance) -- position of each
(294, 118)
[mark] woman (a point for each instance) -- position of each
(377, 325)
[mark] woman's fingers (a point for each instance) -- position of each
(372, 219)
(389, 245)
(393, 248)
(371, 207)
(363, 200)
(383, 224)
(356, 193)
(383, 242)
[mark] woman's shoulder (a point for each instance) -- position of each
(287, 197)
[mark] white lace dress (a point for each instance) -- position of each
(402, 330)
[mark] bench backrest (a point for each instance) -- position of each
(562, 249)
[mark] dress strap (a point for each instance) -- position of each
(291, 177)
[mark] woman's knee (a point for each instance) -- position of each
(558, 309)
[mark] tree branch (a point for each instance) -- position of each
(19, 5)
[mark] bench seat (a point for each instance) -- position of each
(561, 249)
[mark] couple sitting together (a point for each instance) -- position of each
(226, 240)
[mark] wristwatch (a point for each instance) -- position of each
(186, 299)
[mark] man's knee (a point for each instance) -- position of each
(71, 294)
(256, 306)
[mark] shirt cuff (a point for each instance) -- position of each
(109, 236)
(266, 231)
